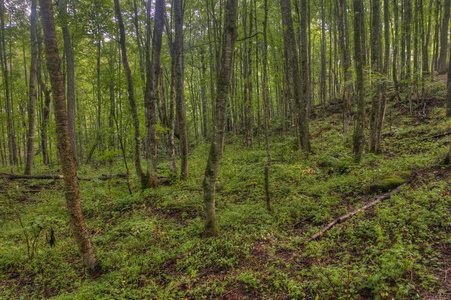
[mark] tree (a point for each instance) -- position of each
(179, 88)
(151, 90)
(217, 140)
(300, 89)
(32, 91)
(53, 62)
(343, 36)
(131, 96)
(12, 146)
(376, 62)
(444, 38)
(359, 134)
(70, 79)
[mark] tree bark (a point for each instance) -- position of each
(266, 106)
(347, 75)
(179, 88)
(426, 40)
(131, 96)
(442, 66)
(300, 88)
(376, 62)
(322, 89)
(359, 134)
(12, 147)
(217, 141)
(53, 61)
(448, 95)
(151, 91)
(70, 76)
(32, 91)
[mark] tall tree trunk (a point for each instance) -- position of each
(444, 35)
(300, 85)
(131, 96)
(448, 96)
(322, 84)
(436, 38)
(32, 92)
(395, 45)
(426, 40)
(204, 94)
(247, 70)
(359, 134)
(179, 88)
(376, 62)
(77, 222)
(304, 74)
(151, 92)
(99, 94)
(70, 78)
(266, 105)
(408, 21)
(345, 56)
(12, 148)
(217, 141)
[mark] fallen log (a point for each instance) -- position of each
(20, 176)
(439, 135)
(365, 207)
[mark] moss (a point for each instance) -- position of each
(386, 184)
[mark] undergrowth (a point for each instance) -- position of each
(150, 243)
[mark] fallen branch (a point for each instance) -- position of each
(439, 135)
(19, 176)
(365, 207)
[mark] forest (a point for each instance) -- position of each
(225, 149)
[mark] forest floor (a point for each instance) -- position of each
(151, 246)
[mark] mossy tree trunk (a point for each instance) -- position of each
(299, 79)
(444, 35)
(151, 89)
(32, 91)
(222, 94)
(180, 89)
(359, 134)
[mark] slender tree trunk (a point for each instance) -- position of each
(179, 88)
(99, 93)
(426, 40)
(247, 70)
(131, 96)
(347, 75)
(444, 35)
(359, 134)
(323, 55)
(395, 46)
(32, 92)
(266, 106)
(70, 78)
(408, 20)
(448, 96)
(436, 38)
(300, 88)
(217, 141)
(204, 94)
(78, 225)
(151, 90)
(376, 62)
(9, 114)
